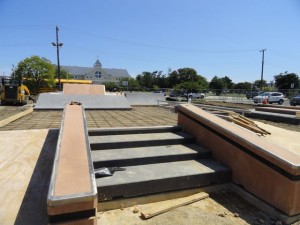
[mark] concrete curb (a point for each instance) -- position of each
(15, 117)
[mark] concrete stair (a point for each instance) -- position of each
(156, 159)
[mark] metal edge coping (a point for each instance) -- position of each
(56, 159)
(89, 156)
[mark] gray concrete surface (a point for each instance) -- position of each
(142, 98)
(59, 100)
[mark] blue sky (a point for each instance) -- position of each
(215, 37)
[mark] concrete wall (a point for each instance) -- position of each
(264, 169)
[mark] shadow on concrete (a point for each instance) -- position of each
(33, 209)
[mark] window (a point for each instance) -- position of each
(98, 74)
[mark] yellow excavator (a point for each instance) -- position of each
(14, 92)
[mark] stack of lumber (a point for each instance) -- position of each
(240, 120)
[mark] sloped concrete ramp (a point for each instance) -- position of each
(59, 100)
(140, 98)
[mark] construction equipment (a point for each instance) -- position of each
(14, 92)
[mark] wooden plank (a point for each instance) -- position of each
(165, 206)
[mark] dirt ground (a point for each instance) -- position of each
(222, 207)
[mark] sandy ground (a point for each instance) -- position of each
(222, 207)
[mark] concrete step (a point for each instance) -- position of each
(147, 155)
(133, 130)
(161, 177)
(138, 140)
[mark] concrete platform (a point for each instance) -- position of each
(59, 100)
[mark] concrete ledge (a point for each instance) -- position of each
(264, 169)
(15, 117)
(279, 110)
(72, 188)
(278, 106)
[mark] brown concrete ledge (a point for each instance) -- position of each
(268, 171)
(278, 106)
(72, 188)
(279, 110)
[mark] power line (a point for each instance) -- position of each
(22, 44)
(134, 43)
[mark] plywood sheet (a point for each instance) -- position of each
(84, 89)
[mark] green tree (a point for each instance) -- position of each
(217, 84)
(257, 84)
(173, 79)
(111, 86)
(186, 75)
(36, 72)
(63, 74)
(227, 82)
(242, 87)
(285, 80)
(132, 84)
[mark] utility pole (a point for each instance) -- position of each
(262, 68)
(57, 45)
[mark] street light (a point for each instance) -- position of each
(57, 45)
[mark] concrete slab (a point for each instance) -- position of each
(59, 100)
(141, 98)
(84, 89)
(25, 168)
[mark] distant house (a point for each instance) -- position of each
(96, 74)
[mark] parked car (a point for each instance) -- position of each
(194, 95)
(252, 94)
(295, 100)
(271, 97)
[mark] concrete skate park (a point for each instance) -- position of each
(49, 173)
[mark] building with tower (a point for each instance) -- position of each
(97, 74)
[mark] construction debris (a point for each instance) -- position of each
(165, 206)
(240, 120)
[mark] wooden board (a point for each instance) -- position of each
(151, 210)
